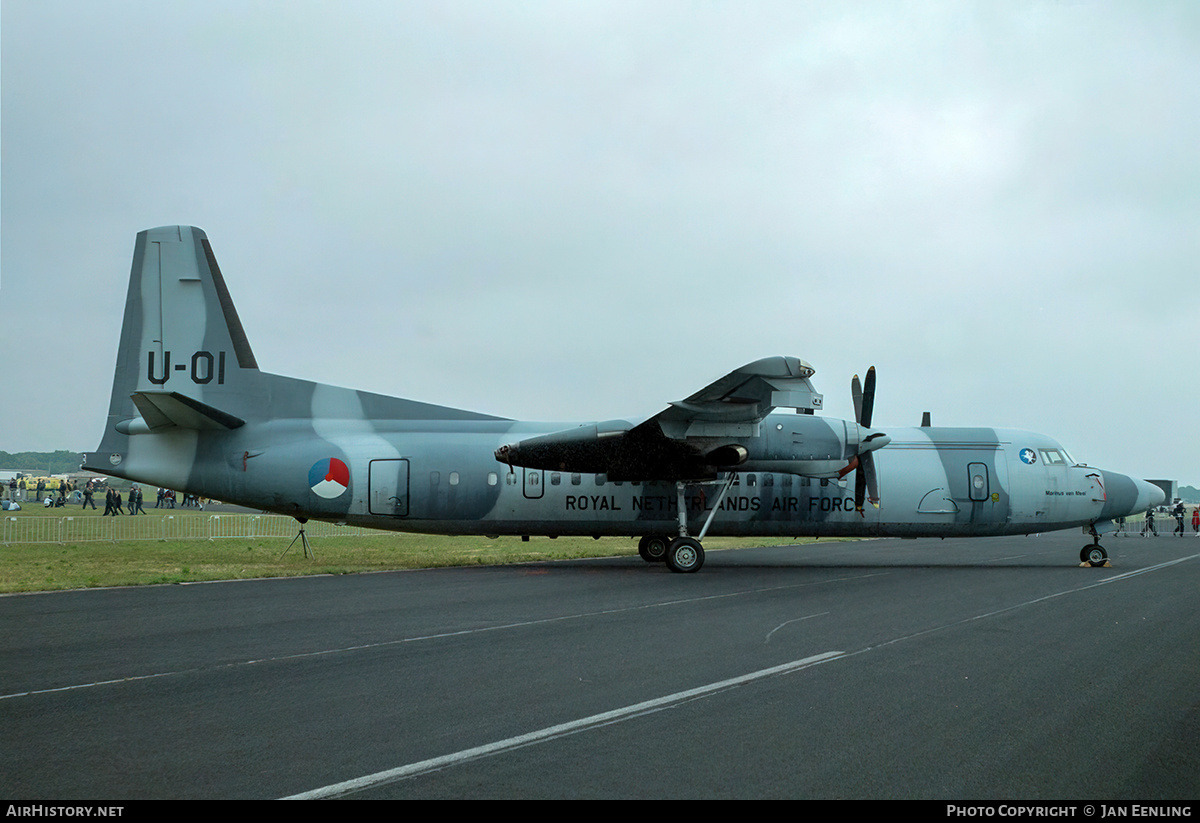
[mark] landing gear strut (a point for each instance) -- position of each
(683, 553)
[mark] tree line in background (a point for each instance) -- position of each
(56, 462)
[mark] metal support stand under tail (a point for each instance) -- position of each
(303, 538)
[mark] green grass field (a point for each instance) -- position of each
(27, 567)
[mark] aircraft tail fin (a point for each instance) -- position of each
(182, 333)
(184, 361)
(185, 371)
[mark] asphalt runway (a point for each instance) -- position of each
(995, 668)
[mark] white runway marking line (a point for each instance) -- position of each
(1034, 601)
(433, 764)
(561, 729)
(790, 622)
(442, 635)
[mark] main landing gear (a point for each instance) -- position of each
(682, 553)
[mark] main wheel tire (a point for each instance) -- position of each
(1093, 554)
(685, 555)
(652, 548)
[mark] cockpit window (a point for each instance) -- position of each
(1053, 457)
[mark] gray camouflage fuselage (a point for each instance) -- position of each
(191, 411)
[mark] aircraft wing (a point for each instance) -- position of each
(691, 439)
(737, 402)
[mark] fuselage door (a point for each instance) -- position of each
(533, 484)
(978, 485)
(387, 488)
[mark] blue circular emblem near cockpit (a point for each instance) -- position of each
(1028, 456)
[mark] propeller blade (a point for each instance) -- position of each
(868, 468)
(868, 399)
(860, 488)
(866, 483)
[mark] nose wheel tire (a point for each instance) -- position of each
(1093, 554)
(685, 555)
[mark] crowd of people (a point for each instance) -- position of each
(1179, 513)
(115, 501)
(165, 499)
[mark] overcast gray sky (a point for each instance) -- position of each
(584, 210)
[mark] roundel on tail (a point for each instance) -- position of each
(329, 478)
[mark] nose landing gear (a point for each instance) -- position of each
(1093, 554)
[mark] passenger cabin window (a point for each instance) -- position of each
(493, 478)
(555, 478)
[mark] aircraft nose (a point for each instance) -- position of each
(1127, 495)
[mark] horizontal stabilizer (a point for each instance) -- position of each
(164, 410)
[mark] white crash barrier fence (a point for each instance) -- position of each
(68, 529)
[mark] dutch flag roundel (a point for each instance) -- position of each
(329, 478)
